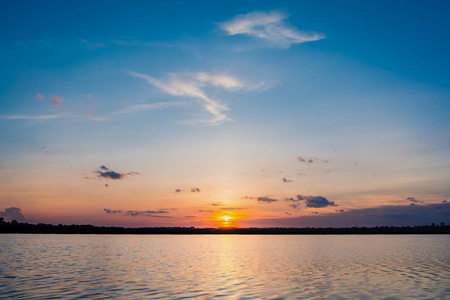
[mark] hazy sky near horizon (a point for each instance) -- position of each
(225, 113)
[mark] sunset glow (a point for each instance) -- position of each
(224, 114)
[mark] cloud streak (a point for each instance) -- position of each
(266, 200)
(192, 85)
(160, 213)
(269, 27)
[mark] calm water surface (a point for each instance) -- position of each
(224, 266)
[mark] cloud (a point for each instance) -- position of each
(232, 208)
(224, 81)
(266, 199)
(160, 213)
(108, 211)
(217, 204)
(296, 199)
(295, 205)
(105, 172)
(400, 215)
(286, 180)
(195, 190)
(178, 191)
(13, 213)
(144, 107)
(310, 160)
(311, 201)
(56, 100)
(247, 197)
(288, 213)
(269, 27)
(36, 117)
(205, 211)
(316, 201)
(412, 199)
(192, 85)
(40, 97)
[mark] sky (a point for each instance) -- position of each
(225, 113)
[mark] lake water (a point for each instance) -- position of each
(224, 266)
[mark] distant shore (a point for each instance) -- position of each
(16, 227)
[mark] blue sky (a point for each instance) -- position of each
(246, 101)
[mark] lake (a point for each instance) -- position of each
(224, 266)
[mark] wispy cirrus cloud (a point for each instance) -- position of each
(143, 107)
(269, 27)
(192, 85)
(33, 117)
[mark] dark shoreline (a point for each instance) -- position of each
(16, 227)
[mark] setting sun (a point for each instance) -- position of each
(226, 218)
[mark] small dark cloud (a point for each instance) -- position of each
(296, 199)
(312, 201)
(266, 199)
(412, 199)
(315, 212)
(295, 205)
(106, 185)
(305, 160)
(318, 202)
(105, 172)
(445, 201)
(310, 160)
(178, 191)
(285, 180)
(13, 213)
(217, 204)
(205, 211)
(189, 216)
(108, 211)
(195, 190)
(288, 213)
(248, 198)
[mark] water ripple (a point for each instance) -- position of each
(224, 267)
